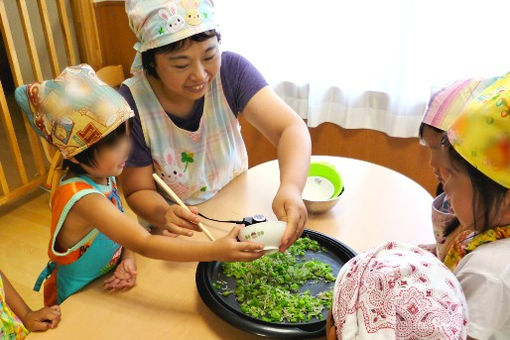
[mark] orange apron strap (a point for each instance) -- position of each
(50, 290)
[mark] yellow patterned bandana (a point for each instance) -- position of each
(73, 111)
(467, 241)
(481, 134)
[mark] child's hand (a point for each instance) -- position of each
(124, 275)
(288, 206)
(228, 249)
(42, 319)
(179, 221)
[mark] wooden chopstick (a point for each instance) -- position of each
(176, 198)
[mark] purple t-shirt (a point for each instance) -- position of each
(240, 81)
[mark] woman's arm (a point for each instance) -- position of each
(141, 195)
(98, 211)
(287, 131)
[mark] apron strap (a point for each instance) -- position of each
(45, 274)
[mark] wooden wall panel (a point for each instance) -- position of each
(86, 32)
(115, 37)
(404, 155)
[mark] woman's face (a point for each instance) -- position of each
(432, 140)
(185, 74)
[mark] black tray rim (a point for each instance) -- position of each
(260, 327)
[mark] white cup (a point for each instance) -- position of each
(269, 234)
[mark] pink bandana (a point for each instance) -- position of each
(446, 104)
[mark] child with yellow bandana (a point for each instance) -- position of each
(477, 181)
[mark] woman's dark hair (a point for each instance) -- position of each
(88, 156)
(148, 57)
(486, 192)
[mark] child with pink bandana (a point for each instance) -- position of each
(444, 106)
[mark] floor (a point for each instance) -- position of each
(24, 236)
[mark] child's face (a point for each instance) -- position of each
(110, 159)
(458, 187)
(432, 140)
(186, 73)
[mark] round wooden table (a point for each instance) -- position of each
(378, 205)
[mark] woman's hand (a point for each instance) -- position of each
(181, 221)
(288, 206)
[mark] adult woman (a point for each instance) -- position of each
(187, 95)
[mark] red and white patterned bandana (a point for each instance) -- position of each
(398, 291)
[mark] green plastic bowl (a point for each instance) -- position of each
(327, 171)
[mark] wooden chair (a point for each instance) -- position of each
(111, 75)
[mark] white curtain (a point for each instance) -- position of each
(367, 63)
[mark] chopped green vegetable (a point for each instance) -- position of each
(227, 292)
(266, 288)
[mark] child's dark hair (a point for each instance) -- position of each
(425, 125)
(439, 190)
(450, 228)
(88, 156)
(148, 57)
(486, 192)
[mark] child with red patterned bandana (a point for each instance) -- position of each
(397, 291)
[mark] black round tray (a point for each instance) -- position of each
(229, 310)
